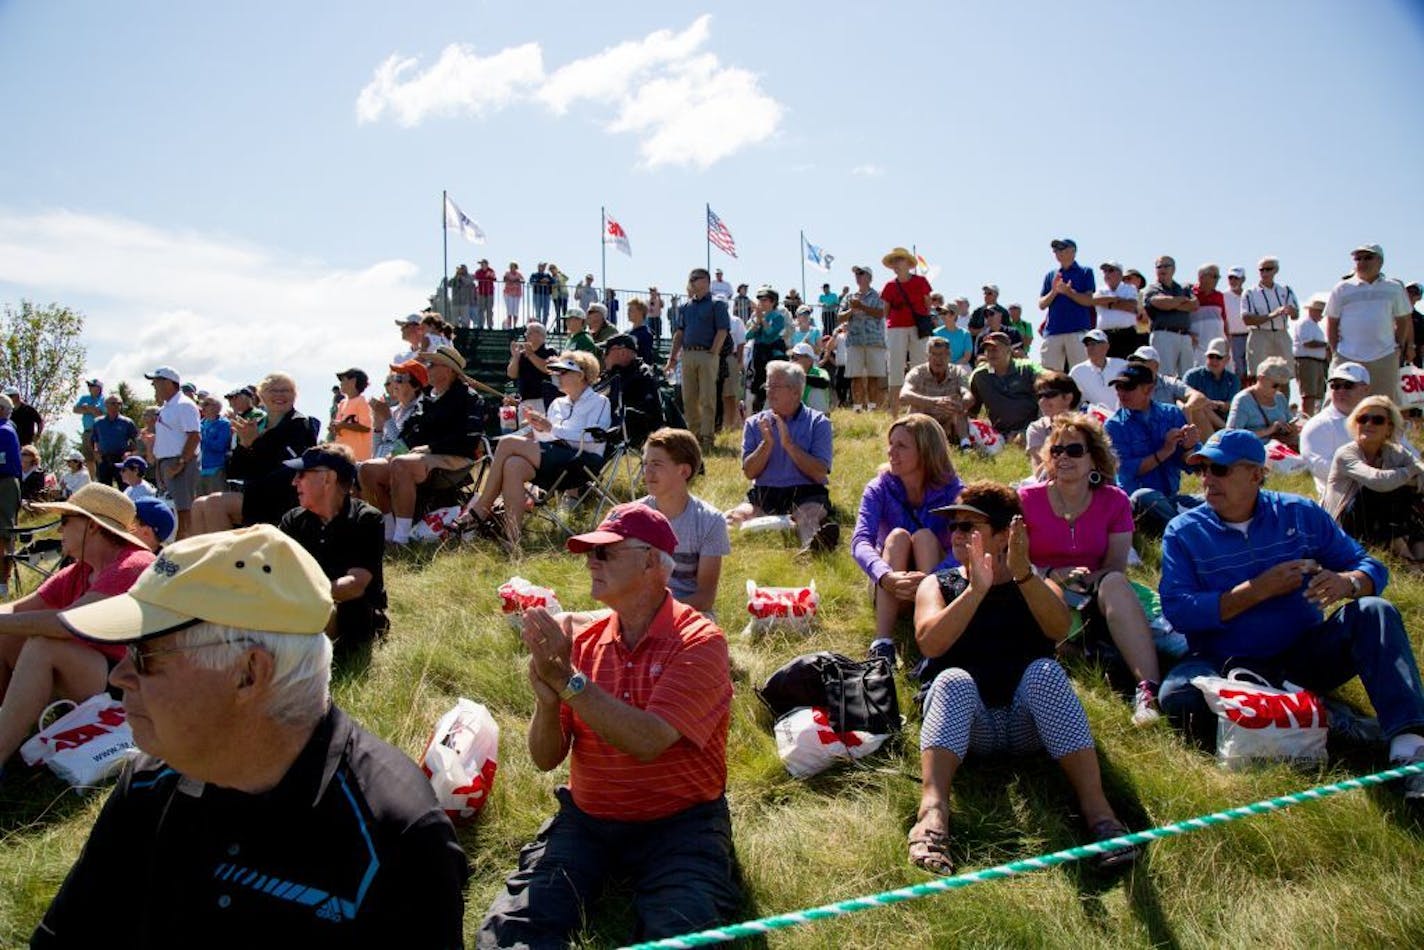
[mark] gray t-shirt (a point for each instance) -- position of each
(700, 530)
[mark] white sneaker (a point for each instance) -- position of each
(1413, 784)
(1144, 704)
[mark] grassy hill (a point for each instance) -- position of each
(1344, 872)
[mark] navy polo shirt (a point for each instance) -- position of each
(1065, 315)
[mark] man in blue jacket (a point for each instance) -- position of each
(1152, 440)
(1247, 577)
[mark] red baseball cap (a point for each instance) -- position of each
(633, 521)
(415, 369)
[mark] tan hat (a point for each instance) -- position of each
(107, 507)
(898, 254)
(448, 356)
(253, 578)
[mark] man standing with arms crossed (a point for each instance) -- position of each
(699, 329)
(1367, 321)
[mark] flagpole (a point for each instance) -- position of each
(707, 233)
(603, 252)
(445, 253)
(803, 265)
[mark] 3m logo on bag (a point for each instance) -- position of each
(106, 721)
(1256, 710)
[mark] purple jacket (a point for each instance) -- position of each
(884, 507)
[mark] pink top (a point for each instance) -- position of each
(1053, 542)
(513, 284)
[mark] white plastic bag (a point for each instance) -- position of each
(1256, 721)
(435, 525)
(807, 744)
(461, 759)
(985, 437)
(767, 523)
(1282, 459)
(517, 595)
(781, 608)
(87, 745)
(1411, 387)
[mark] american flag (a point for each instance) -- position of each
(718, 234)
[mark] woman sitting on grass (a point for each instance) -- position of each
(1262, 407)
(1058, 394)
(558, 444)
(671, 459)
(1080, 533)
(1374, 486)
(898, 539)
(989, 682)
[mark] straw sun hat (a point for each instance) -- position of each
(107, 507)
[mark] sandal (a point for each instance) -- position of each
(1118, 857)
(929, 850)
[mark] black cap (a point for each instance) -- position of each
(1059, 244)
(362, 380)
(319, 458)
(625, 340)
(1134, 374)
(989, 508)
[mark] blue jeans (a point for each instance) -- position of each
(1365, 637)
(1151, 509)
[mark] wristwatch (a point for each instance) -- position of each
(1356, 588)
(576, 684)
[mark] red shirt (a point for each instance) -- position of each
(484, 281)
(73, 581)
(679, 672)
(900, 315)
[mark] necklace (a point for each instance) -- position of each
(1067, 513)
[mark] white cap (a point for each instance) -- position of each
(1239, 272)
(1318, 299)
(164, 372)
(1147, 353)
(1217, 347)
(1094, 335)
(74, 455)
(803, 349)
(1354, 372)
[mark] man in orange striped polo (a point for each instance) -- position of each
(639, 701)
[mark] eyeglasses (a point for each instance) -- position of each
(1372, 419)
(1074, 450)
(139, 658)
(604, 552)
(964, 527)
(1339, 384)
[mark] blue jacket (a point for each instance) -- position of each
(9, 451)
(1202, 558)
(1135, 436)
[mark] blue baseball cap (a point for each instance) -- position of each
(155, 513)
(1230, 446)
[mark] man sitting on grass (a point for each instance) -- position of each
(1248, 576)
(786, 452)
(639, 702)
(261, 814)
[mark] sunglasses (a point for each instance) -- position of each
(1215, 356)
(1074, 450)
(1265, 270)
(1219, 470)
(1371, 419)
(139, 658)
(1338, 384)
(964, 527)
(604, 553)
(1051, 394)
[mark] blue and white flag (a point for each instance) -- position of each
(817, 257)
(457, 220)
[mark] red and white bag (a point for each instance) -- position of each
(781, 608)
(1411, 387)
(1282, 459)
(87, 745)
(807, 744)
(435, 525)
(1099, 412)
(1256, 721)
(461, 758)
(985, 437)
(517, 595)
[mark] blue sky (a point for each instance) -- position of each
(233, 188)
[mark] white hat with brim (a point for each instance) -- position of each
(253, 578)
(107, 507)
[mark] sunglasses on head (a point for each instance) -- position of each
(1372, 419)
(1074, 450)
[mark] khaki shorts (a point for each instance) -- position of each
(736, 385)
(862, 361)
(1310, 373)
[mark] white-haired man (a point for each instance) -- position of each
(261, 814)
(1367, 321)
(1268, 309)
(639, 702)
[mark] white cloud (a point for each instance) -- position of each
(684, 105)
(219, 311)
(459, 82)
(868, 170)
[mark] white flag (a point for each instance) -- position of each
(818, 258)
(459, 221)
(614, 234)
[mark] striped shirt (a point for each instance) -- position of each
(1259, 301)
(679, 672)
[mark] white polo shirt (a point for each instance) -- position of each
(1096, 384)
(1112, 319)
(1366, 313)
(176, 419)
(1234, 324)
(1305, 330)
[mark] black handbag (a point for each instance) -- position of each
(858, 694)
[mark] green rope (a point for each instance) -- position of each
(795, 918)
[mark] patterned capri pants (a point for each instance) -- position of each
(1045, 714)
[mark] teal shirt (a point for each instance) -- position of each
(87, 400)
(773, 325)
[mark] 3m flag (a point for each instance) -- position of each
(818, 258)
(718, 234)
(457, 220)
(614, 234)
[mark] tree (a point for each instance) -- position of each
(53, 447)
(133, 404)
(42, 353)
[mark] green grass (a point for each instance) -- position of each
(1344, 872)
